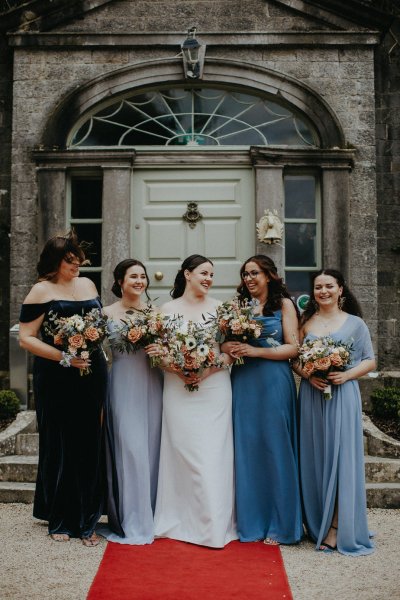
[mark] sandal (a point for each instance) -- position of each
(59, 537)
(271, 542)
(327, 548)
(91, 540)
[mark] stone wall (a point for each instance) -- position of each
(5, 165)
(388, 197)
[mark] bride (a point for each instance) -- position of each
(195, 499)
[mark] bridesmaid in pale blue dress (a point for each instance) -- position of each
(134, 421)
(264, 413)
(331, 437)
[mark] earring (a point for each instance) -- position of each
(341, 301)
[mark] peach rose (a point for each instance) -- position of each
(190, 363)
(92, 334)
(134, 334)
(322, 364)
(308, 368)
(76, 341)
(336, 361)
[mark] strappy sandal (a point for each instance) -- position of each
(59, 537)
(327, 548)
(271, 542)
(91, 541)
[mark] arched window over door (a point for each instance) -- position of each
(200, 116)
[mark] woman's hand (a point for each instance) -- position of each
(229, 347)
(338, 377)
(80, 363)
(154, 350)
(240, 350)
(319, 383)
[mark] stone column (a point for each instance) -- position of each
(116, 223)
(52, 202)
(335, 219)
(269, 194)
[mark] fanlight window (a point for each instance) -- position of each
(195, 117)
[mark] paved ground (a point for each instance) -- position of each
(35, 568)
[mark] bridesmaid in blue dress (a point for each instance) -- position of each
(264, 413)
(331, 436)
(134, 409)
(69, 486)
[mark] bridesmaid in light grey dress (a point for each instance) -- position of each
(134, 422)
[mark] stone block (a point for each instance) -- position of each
(16, 492)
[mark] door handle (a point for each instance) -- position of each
(158, 275)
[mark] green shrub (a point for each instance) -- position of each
(386, 403)
(9, 404)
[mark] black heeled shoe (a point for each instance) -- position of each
(327, 548)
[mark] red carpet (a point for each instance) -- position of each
(171, 570)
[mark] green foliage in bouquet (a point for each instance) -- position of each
(386, 403)
(9, 404)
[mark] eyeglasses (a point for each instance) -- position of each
(71, 261)
(251, 274)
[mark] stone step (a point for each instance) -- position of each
(13, 491)
(382, 470)
(18, 468)
(383, 495)
(27, 444)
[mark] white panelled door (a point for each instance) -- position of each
(225, 233)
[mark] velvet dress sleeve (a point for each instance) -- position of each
(30, 312)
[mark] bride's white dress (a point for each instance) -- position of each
(195, 497)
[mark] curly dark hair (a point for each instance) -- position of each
(189, 264)
(277, 290)
(350, 303)
(120, 272)
(55, 250)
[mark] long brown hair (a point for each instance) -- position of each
(276, 288)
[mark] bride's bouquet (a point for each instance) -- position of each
(235, 322)
(191, 349)
(322, 355)
(78, 335)
(140, 328)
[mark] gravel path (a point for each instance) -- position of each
(35, 568)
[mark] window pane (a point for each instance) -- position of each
(298, 284)
(86, 195)
(169, 116)
(300, 244)
(90, 233)
(300, 197)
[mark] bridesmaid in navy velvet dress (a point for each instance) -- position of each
(264, 397)
(69, 487)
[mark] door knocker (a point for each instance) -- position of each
(192, 215)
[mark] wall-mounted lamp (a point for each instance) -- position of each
(193, 54)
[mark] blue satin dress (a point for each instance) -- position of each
(264, 415)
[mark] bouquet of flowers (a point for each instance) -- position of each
(78, 335)
(322, 355)
(236, 322)
(191, 349)
(140, 328)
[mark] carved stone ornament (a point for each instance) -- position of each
(270, 228)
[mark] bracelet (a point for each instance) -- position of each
(66, 359)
